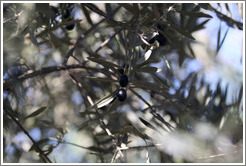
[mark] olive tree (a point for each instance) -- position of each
(109, 82)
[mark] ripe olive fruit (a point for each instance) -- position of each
(161, 27)
(121, 95)
(70, 27)
(121, 71)
(123, 80)
(151, 41)
(161, 39)
(66, 15)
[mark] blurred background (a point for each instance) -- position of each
(184, 99)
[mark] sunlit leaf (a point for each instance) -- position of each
(146, 56)
(105, 100)
(113, 106)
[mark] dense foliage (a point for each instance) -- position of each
(109, 83)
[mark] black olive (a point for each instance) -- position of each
(161, 39)
(70, 27)
(123, 80)
(121, 71)
(121, 95)
(66, 14)
(151, 41)
(161, 27)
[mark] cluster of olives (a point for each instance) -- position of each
(123, 81)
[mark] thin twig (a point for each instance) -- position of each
(139, 147)
(7, 83)
(41, 153)
(98, 11)
(109, 39)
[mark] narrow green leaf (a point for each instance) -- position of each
(105, 100)
(148, 18)
(156, 12)
(113, 106)
(38, 143)
(191, 51)
(205, 6)
(87, 15)
(108, 8)
(148, 85)
(184, 82)
(166, 61)
(228, 8)
(240, 95)
(223, 96)
(148, 69)
(218, 38)
(105, 63)
(194, 14)
(37, 112)
(136, 10)
(200, 26)
(147, 123)
(146, 56)
(128, 7)
(98, 149)
(221, 43)
(181, 31)
(191, 94)
(100, 79)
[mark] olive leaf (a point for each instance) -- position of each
(37, 112)
(220, 43)
(44, 140)
(147, 123)
(87, 15)
(128, 7)
(194, 14)
(145, 57)
(181, 31)
(113, 106)
(148, 69)
(105, 100)
(105, 63)
(100, 79)
(199, 26)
